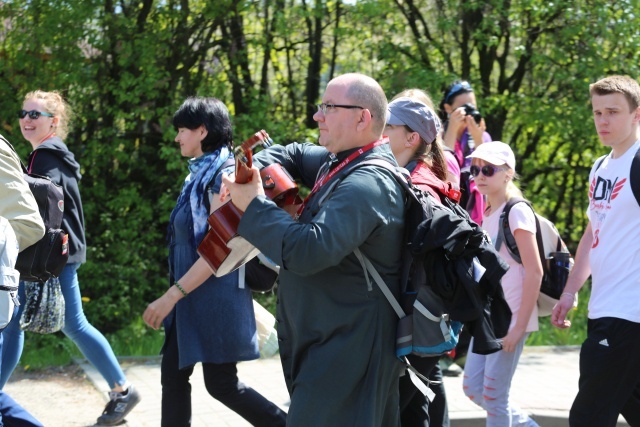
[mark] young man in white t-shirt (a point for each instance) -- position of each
(609, 251)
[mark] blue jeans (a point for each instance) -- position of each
(93, 345)
(11, 413)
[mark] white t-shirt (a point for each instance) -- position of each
(521, 217)
(615, 254)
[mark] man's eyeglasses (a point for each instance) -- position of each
(33, 114)
(324, 107)
(487, 170)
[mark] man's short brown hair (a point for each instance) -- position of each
(618, 84)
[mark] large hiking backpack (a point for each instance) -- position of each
(450, 275)
(554, 255)
(634, 175)
(46, 258)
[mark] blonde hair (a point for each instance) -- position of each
(55, 104)
(418, 94)
(512, 189)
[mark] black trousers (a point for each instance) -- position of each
(609, 382)
(221, 381)
(415, 409)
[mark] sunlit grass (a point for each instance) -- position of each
(41, 351)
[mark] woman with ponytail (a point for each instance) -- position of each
(413, 129)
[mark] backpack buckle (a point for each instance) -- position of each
(453, 193)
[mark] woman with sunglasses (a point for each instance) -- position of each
(487, 379)
(413, 129)
(44, 122)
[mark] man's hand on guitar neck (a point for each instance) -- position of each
(243, 194)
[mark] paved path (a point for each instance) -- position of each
(545, 384)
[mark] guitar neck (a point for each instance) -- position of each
(243, 155)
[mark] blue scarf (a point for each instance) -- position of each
(202, 170)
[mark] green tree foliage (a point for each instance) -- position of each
(125, 66)
(531, 63)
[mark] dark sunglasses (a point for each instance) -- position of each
(33, 114)
(487, 170)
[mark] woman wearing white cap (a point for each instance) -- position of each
(413, 129)
(487, 379)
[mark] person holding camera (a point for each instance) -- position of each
(464, 126)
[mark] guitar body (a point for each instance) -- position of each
(222, 247)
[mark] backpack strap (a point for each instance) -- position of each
(403, 177)
(599, 162)
(371, 270)
(414, 375)
(634, 174)
(504, 233)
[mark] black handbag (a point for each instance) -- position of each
(260, 277)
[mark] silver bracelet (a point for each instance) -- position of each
(573, 296)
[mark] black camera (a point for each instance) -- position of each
(472, 111)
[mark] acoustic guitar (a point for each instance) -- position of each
(222, 247)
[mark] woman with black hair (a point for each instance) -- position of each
(213, 324)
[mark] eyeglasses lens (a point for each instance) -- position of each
(33, 114)
(486, 170)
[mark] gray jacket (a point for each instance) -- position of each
(336, 334)
(17, 204)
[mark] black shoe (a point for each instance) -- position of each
(120, 404)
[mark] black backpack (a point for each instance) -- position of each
(450, 275)
(46, 258)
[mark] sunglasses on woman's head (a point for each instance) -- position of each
(33, 114)
(456, 89)
(487, 170)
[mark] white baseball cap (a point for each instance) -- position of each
(495, 152)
